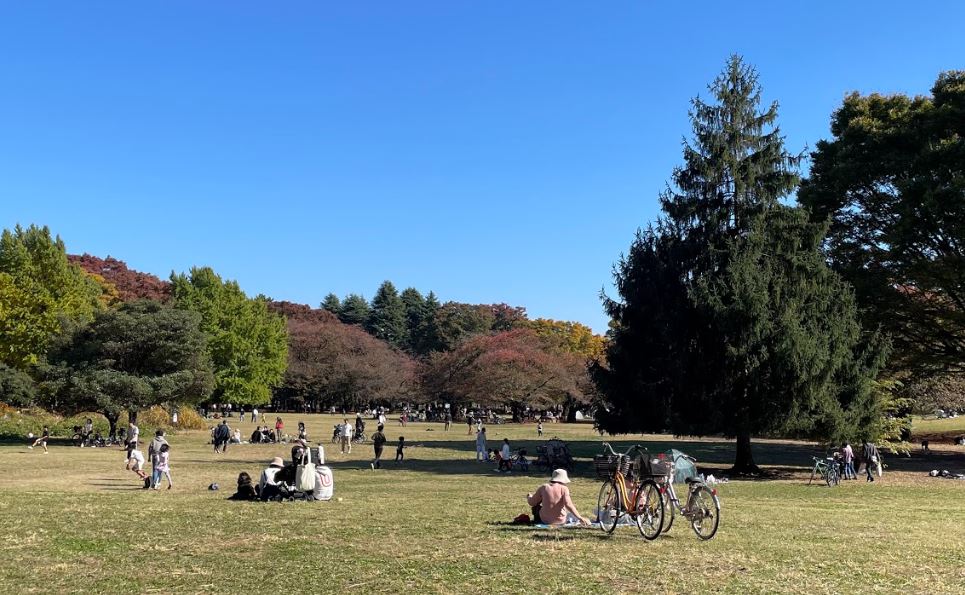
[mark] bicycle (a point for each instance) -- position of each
(828, 469)
(703, 505)
(615, 502)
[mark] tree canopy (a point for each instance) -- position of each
(515, 369)
(332, 363)
(729, 321)
(39, 291)
(246, 342)
(891, 182)
(139, 355)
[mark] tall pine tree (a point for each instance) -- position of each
(729, 320)
(355, 310)
(387, 320)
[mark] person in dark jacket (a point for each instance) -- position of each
(222, 434)
(871, 459)
(378, 442)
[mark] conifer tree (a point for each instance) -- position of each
(332, 304)
(387, 320)
(415, 313)
(729, 320)
(354, 310)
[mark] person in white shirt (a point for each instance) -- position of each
(504, 456)
(268, 485)
(135, 462)
(254, 415)
(347, 431)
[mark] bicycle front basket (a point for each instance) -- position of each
(606, 465)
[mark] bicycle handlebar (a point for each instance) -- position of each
(607, 447)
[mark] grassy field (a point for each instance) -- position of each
(74, 520)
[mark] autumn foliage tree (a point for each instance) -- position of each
(129, 284)
(332, 363)
(514, 369)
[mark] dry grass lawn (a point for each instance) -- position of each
(75, 521)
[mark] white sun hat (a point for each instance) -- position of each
(560, 476)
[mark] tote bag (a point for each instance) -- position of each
(305, 473)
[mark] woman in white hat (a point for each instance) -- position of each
(552, 501)
(269, 486)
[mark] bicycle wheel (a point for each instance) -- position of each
(832, 477)
(608, 506)
(648, 509)
(704, 512)
(668, 514)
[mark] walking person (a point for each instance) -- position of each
(133, 434)
(399, 455)
(872, 459)
(345, 438)
(222, 434)
(448, 420)
(42, 440)
(848, 453)
(469, 424)
(254, 415)
(481, 445)
(279, 426)
(241, 416)
(163, 466)
(378, 442)
(154, 454)
(539, 429)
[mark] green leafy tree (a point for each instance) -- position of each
(16, 387)
(891, 182)
(455, 322)
(39, 291)
(137, 356)
(729, 320)
(332, 304)
(387, 319)
(247, 343)
(355, 310)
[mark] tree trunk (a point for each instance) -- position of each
(744, 461)
(132, 416)
(112, 420)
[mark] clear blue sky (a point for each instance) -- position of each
(490, 151)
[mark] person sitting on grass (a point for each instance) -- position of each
(246, 491)
(552, 505)
(270, 485)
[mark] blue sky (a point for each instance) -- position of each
(489, 151)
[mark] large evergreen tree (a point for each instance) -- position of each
(729, 320)
(387, 320)
(247, 342)
(137, 356)
(415, 314)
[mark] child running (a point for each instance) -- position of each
(164, 466)
(136, 464)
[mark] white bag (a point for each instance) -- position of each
(305, 473)
(326, 483)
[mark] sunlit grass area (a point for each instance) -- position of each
(75, 520)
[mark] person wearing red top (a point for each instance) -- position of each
(552, 502)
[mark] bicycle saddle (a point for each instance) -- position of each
(692, 480)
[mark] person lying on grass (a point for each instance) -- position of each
(552, 502)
